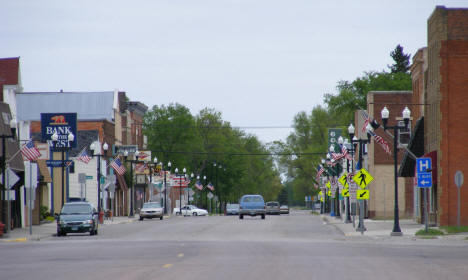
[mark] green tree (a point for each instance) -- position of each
(283, 196)
(402, 60)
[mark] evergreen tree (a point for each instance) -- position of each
(402, 60)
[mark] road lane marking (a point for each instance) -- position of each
(181, 255)
(167, 265)
(24, 239)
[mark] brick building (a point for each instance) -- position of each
(446, 130)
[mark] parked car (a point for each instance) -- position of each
(151, 210)
(252, 205)
(232, 209)
(284, 209)
(190, 210)
(76, 217)
(272, 208)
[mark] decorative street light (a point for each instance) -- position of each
(343, 144)
(362, 143)
(396, 128)
(70, 138)
(97, 151)
(132, 194)
(152, 168)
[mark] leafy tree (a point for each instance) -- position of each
(283, 196)
(402, 60)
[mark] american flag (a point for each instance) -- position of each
(367, 120)
(84, 156)
(345, 153)
(118, 167)
(320, 170)
(381, 142)
(337, 156)
(30, 151)
(199, 186)
(210, 186)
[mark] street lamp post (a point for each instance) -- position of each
(97, 151)
(348, 212)
(180, 188)
(396, 128)
(188, 189)
(3, 166)
(70, 138)
(132, 190)
(362, 143)
(152, 167)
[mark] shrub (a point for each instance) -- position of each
(455, 229)
(430, 231)
(44, 212)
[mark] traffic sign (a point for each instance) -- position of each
(363, 194)
(210, 195)
(345, 192)
(58, 163)
(423, 165)
(362, 178)
(89, 177)
(343, 180)
(329, 193)
(11, 178)
(328, 185)
(424, 179)
(458, 178)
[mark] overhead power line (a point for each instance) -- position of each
(243, 154)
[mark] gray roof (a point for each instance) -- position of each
(87, 105)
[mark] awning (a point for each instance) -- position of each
(416, 146)
(121, 182)
(44, 171)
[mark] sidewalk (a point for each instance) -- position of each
(382, 228)
(46, 230)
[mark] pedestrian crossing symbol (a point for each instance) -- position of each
(329, 185)
(362, 178)
(345, 192)
(363, 194)
(320, 195)
(343, 180)
(329, 193)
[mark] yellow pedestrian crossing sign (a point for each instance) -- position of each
(343, 180)
(345, 192)
(362, 194)
(329, 193)
(320, 196)
(328, 185)
(362, 178)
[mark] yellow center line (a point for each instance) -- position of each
(167, 265)
(181, 255)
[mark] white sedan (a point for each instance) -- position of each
(191, 210)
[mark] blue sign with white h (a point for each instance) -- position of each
(423, 172)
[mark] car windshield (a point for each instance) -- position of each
(272, 204)
(232, 206)
(253, 199)
(152, 205)
(76, 209)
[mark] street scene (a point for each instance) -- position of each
(233, 139)
(299, 245)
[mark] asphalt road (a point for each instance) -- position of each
(295, 246)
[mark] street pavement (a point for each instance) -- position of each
(299, 246)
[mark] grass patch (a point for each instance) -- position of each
(428, 237)
(314, 213)
(430, 232)
(50, 218)
(454, 229)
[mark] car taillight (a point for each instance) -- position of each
(240, 207)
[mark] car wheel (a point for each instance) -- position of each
(96, 232)
(161, 217)
(59, 233)
(241, 216)
(263, 216)
(195, 214)
(92, 232)
(177, 213)
(141, 218)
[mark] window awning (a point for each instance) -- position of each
(416, 146)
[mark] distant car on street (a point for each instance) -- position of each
(190, 210)
(273, 208)
(232, 209)
(151, 210)
(252, 205)
(77, 217)
(284, 209)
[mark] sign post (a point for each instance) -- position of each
(459, 183)
(424, 175)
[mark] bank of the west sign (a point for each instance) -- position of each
(63, 124)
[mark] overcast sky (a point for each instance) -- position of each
(259, 62)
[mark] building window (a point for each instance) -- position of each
(404, 135)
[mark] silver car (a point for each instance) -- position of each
(151, 210)
(273, 208)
